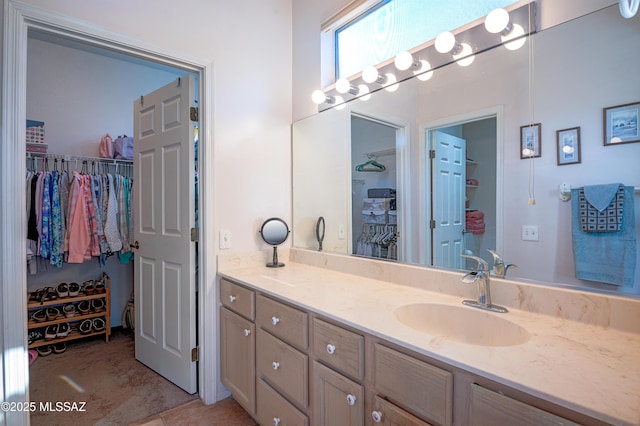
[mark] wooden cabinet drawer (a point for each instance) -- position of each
(237, 298)
(385, 413)
(413, 384)
(289, 324)
(336, 399)
(273, 409)
(339, 348)
(491, 408)
(284, 367)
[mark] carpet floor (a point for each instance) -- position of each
(115, 388)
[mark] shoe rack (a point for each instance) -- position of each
(93, 298)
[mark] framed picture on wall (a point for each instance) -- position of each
(621, 124)
(568, 144)
(530, 146)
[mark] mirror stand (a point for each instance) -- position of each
(275, 263)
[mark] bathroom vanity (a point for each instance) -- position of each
(313, 345)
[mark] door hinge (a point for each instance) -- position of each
(432, 224)
(193, 113)
(195, 354)
(194, 234)
(432, 153)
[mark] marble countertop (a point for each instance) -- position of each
(590, 369)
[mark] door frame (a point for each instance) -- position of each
(424, 172)
(19, 18)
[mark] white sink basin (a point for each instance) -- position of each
(462, 324)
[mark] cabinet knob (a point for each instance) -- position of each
(232, 299)
(331, 349)
(276, 421)
(247, 332)
(376, 416)
(275, 365)
(351, 399)
(275, 320)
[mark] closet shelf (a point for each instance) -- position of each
(31, 324)
(74, 335)
(64, 300)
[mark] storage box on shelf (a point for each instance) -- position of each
(91, 302)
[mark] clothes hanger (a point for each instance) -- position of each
(370, 166)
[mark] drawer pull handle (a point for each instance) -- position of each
(275, 365)
(376, 416)
(331, 349)
(232, 299)
(351, 399)
(275, 320)
(247, 332)
(276, 421)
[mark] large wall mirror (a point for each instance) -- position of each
(562, 78)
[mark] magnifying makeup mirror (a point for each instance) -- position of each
(320, 232)
(274, 232)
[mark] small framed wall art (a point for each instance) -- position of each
(530, 141)
(621, 124)
(568, 144)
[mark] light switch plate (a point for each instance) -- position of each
(225, 239)
(530, 233)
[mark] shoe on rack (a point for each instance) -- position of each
(97, 305)
(52, 313)
(44, 350)
(98, 324)
(51, 332)
(35, 335)
(39, 315)
(74, 289)
(89, 287)
(84, 307)
(59, 347)
(63, 330)
(51, 294)
(63, 290)
(86, 326)
(69, 310)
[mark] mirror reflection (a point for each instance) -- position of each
(562, 78)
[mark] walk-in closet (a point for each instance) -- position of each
(80, 101)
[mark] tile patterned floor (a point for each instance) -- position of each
(223, 413)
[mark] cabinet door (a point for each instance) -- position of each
(237, 358)
(337, 400)
(491, 408)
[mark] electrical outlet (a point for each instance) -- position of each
(529, 233)
(341, 232)
(225, 239)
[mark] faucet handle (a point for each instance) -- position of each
(497, 259)
(482, 264)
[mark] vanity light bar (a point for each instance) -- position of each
(501, 27)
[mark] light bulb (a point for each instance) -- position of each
(567, 149)
(363, 92)
(404, 60)
(318, 96)
(370, 74)
(424, 72)
(465, 53)
(516, 31)
(527, 152)
(343, 85)
(339, 102)
(391, 84)
(496, 21)
(445, 42)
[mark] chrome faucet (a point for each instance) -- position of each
(484, 291)
(499, 267)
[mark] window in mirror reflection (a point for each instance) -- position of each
(392, 26)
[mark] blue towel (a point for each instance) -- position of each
(607, 257)
(600, 196)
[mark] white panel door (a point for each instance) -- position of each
(165, 261)
(449, 175)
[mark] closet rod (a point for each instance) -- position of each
(70, 158)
